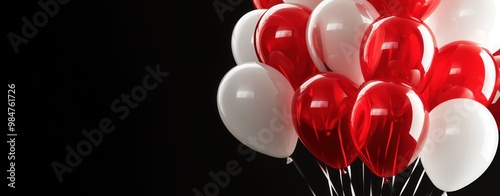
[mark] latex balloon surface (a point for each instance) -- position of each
(281, 43)
(389, 126)
(470, 20)
(334, 34)
(242, 40)
(409, 8)
(462, 70)
(462, 143)
(398, 49)
(321, 115)
(254, 102)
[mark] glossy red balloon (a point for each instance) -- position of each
(463, 70)
(415, 8)
(389, 126)
(497, 53)
(321, 110)
(265, 4)
(497, 60)
(495, 111)
(281, 43)
(497, 85)
(495, 105)
(398, 49)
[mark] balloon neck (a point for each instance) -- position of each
(386, 181)
(289, 160)
(444, 194)
(343, 171)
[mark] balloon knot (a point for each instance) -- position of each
(386, 181)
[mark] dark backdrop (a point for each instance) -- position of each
(84, 57)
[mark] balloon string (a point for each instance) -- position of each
(327, 175)
(382, 185)
(341, 173)
(371, 189)
(411, 173)
(363, 168)
(350, 180)
(363, 171)
(419, 180)
(370, 180)
(290, 160)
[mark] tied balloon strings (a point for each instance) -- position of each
(385, 181)
(364, 181)
(350, 181)
(384, 184)
(327, 176)
(454, 48)
(411, 174)
(414, 175)
(419, 180)
(346, 173)
(363, 176)
(393, 179)
(290, 160)
(343, 180)
(341, 173)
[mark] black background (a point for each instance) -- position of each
(91, 52)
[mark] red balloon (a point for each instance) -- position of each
(497, 60)
(497, 85)
(495, 106)
(463, 70)
(497, 53)
(397, 48)
(495, 111)
(321, 115)
(389, 126)
(281, 42)
(265, 4)
(414, 8)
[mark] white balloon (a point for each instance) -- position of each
(334, 34)
(254, 102)
(308, 3)
(462, 142)
(472, 20)
(242, 39)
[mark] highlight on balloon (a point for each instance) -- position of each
(395, 84)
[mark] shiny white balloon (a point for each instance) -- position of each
(308, 3)
(461, 144)
(472, 20)
(242, 39)
(254, 102)
(334, 34)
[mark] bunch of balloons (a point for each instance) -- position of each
(383, 80)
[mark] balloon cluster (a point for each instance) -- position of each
(383, 80)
